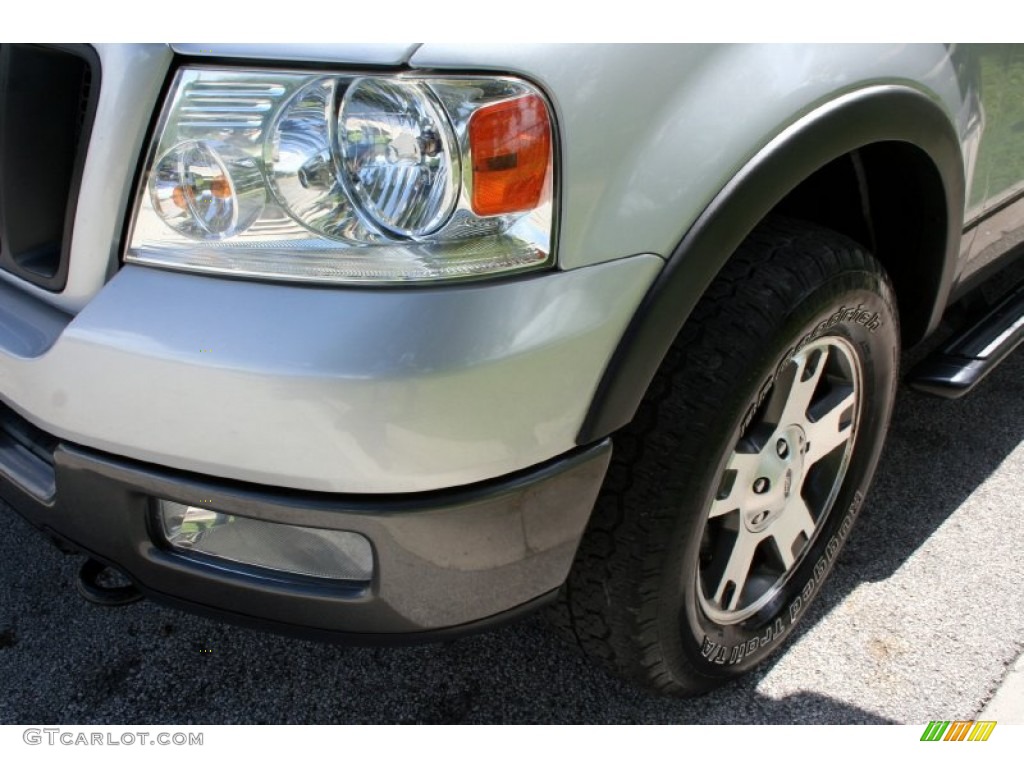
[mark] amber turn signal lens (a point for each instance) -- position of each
(511, 148)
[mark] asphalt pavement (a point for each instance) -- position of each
(922, 619)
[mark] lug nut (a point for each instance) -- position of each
(762, 484)
(782, 448)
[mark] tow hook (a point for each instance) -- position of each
(89, 586)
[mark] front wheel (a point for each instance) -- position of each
(732, 492)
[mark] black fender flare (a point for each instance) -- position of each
(881, 113)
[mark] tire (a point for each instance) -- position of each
(733, 490)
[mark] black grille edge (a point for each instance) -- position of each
(48, 96)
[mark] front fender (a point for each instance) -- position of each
(892, 113)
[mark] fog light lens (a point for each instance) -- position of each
(318, 552)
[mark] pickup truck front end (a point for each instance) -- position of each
(305, 415)
(338, 340)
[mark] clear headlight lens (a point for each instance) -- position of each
(335, 178)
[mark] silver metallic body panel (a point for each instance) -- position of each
(378, 54)
(355, 390)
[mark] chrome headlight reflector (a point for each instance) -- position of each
(346, 178)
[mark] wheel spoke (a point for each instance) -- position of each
(736, 572)
(831, 428)
(742, 470)
(795, 522)
(809, 367)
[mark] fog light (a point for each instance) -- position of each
(318, 552)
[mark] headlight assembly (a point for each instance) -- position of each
(347, 178)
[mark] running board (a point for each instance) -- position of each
(955, 369)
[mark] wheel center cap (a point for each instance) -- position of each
(779, 479)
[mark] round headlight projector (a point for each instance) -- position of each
(205, 191)
(398, 154)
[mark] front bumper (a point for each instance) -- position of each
(442, 560)
(340, 390)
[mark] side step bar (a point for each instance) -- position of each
(956, 368)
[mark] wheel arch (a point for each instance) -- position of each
(905, 160)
